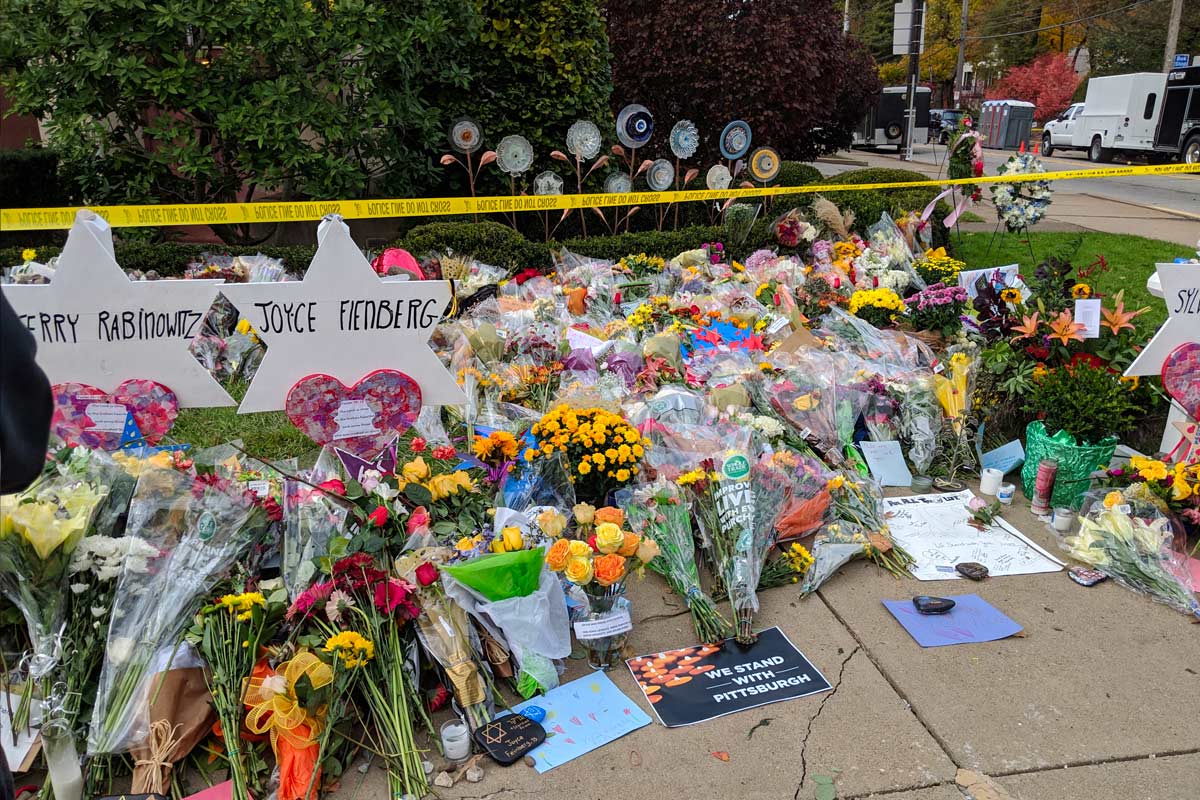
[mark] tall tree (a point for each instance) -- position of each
(784, 66)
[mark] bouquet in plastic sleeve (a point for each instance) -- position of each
(312, 520)
(920, 420)
(1126, 535)
(201, 525)
(40, 530)
(806, 508)
(517, 601)
(792, 230)
(859, 527)
(821, 406)
(660, 511)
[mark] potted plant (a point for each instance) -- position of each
(1080, 410)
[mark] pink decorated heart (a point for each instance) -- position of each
(362, 419)
(1181, 377)
(85, 415)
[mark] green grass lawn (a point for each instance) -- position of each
(268, 435)
(1130, 260)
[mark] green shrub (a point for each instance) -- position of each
(794, 173)
(29, 179)
(489, 242)
(667, 244)
(869, 204)
(170, 259)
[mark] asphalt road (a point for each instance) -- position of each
(1178, 195)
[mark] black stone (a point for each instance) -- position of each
(932, 605)
(972, 570)
(508, 738)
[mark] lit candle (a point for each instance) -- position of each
(456, 740)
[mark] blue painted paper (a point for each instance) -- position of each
(972, 620)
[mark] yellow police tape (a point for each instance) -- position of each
(30, 219)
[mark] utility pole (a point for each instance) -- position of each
(915, 37)
(1172, 34)
(962, 55)
(846, 19)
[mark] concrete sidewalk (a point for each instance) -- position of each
(1100, 700)
(1070, 210)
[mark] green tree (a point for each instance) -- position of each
(538, 66)
(210, 100)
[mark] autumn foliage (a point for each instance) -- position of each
(1048, 82)
(784, 66)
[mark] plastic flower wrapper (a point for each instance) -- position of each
(954, 389)
(1128, 538)
(40, 530)
(807, 507)
(200, 525)
(312, 520)
(859, 519)
(888, 352)
(660, 511)
(920, 420)
(519, 601)
(882, 412)
(447, 634)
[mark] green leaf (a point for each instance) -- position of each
(418, 494)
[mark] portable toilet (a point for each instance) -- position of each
(1007, 124)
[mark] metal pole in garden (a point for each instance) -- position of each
(914, 74)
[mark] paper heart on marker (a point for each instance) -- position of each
(85, 415)
(361, 419)
(1181, 377)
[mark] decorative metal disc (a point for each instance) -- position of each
(514, 154)
(685, 139)
(735, 140)
(465, 136)
(765, 164)
(661, 175)
(583, 140)
(618, 183)
(547, 183)
(718, 177)
(635, 124)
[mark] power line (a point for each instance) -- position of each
(1061, 24)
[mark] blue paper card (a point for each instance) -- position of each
(133, 443)
(1005, 458)
(580, 716)
(971, 620)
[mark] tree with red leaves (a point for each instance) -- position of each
(1048, 82)
(783, 66)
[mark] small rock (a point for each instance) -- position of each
(428, 767)
(443, 779)
(932, 605)
(364, 767)
(529, 762)
(972, 570)
(474, 775)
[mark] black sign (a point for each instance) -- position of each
(508, 738)
(707, 681)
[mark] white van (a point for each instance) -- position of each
(1120, 114)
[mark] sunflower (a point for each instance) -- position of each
(1010, 295)
(1081, 291)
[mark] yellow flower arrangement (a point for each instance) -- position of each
(242, 605)
(799, 559)
(641, 264)
(1149, 468)
(495, 448)
(937, 267)
(878, 306)
(600, 448)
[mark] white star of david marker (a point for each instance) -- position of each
(1181, 293)
(93, 325)
(342, 320)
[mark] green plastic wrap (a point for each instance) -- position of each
(1075, 462)
(501, 575)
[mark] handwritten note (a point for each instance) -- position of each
(354, 418)
(107, 417)
(934, 529)
(886, 461)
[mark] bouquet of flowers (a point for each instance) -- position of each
(880, 306)
(362, 611)
(791, 229)
(937, 308)
(937, 267)
(812, 400)
(920, 420)
(228, 634)
(200, 525)
(1127, 538)
(601, 450)
(660, 511)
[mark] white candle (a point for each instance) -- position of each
(989, 481)
(1063, 519)
(456, 740)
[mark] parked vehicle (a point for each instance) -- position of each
(884, 123)
(1056, 133)
(1179, 122)
(943, 122)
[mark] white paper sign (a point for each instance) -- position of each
(969, 277)
(933, 529)
(354, 418)
(886, 461)
(107, 417)
(17, 748)
(343, 321)
(1087, 314)
(609, 625)
(260, 488)
(95, 326)
(578, 340)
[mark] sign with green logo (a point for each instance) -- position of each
(206, 526)
(736, 467)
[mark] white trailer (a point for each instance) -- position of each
(1120, 115)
